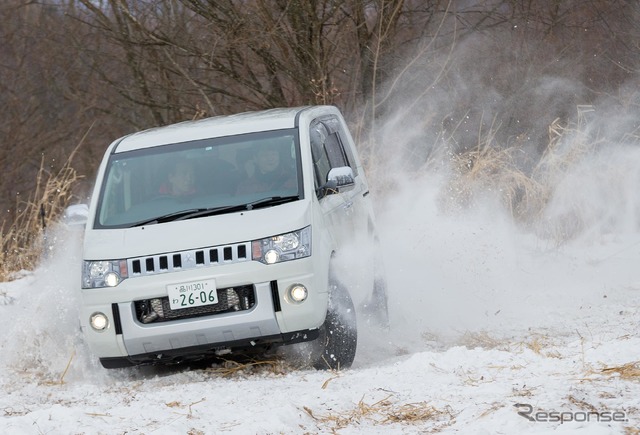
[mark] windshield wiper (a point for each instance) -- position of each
(167, 217)
(199, 212)
(271, 200)
(264, 202)
(213, 211)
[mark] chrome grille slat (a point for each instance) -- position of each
(189, 259)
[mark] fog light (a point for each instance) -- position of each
(99, 321)
(298, 293)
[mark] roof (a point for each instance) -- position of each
(218, 126)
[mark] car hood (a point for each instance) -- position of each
(112, 244)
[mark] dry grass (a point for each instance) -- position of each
(536, 344)
(568, 146)
(629, 371)
(480, 339)
(582, 404)
(24, 241)
(491, 170)
(232, 368)
(64, 373)
(382, 412)
(510, 174)
(539, 344)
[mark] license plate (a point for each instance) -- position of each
(192, 294)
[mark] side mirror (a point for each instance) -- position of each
(76, 215)
(338, 180)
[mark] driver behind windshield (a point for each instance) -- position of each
(270, 170)
(180, 180)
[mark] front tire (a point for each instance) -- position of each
(335, 347)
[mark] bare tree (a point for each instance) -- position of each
(32, 104)
(198, 56)
(70, 68)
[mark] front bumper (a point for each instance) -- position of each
(259, 321)
(201, 352)
(270, 320)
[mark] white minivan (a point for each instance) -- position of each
(223, 235)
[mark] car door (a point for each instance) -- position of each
(343, 208)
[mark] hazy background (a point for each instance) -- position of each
(424, 84)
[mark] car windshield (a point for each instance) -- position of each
(199, 178)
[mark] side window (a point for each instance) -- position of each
(338, 134)
(321, 163)
(337, 158)
(327, 148)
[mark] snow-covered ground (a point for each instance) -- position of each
(492, 331)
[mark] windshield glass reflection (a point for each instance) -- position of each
(152, 183)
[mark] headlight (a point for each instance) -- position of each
(97, 274)
(284, 247)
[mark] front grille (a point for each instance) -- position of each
(175, 261)
(231, 299)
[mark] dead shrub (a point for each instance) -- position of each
(491, 169)
(524, 188)
(24, 241)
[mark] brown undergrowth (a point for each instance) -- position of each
(25, 240)
(382, 412)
